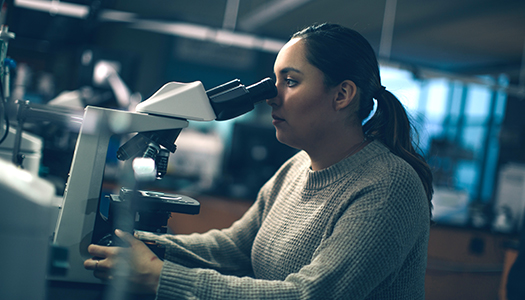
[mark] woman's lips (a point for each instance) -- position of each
(276, 120)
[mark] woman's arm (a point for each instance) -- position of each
(227, 250)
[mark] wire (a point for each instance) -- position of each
(6, 124)
(5, 108)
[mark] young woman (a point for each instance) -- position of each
(346, 218)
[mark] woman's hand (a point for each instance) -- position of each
(137, 263)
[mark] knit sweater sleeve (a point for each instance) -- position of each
(227, 251)
(360, 258)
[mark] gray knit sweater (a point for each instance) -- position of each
(356, 230)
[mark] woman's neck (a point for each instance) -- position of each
(330, 152)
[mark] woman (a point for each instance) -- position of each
(346, 218)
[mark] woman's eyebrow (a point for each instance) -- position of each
(289, 69)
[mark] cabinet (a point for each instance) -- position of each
(464, 264)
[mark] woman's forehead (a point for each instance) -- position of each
(291, 57)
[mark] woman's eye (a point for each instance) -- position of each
(290, 82)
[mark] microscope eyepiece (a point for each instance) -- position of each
(233, 99)
(262, 90)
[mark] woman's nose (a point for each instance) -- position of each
(275, 100)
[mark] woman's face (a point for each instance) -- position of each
(303, 109)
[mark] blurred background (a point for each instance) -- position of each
(458, 66)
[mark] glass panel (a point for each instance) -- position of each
(478, 103)
(401, 83)
(458, 126)
(438, 90)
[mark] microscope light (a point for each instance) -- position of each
(144, 169)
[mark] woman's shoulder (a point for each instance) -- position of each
(385, 175)
(387, 183)
(385, 162)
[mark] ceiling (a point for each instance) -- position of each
(465, 36)
(468, 37)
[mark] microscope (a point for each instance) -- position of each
(155, 126)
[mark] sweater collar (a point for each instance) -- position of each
(316, 180)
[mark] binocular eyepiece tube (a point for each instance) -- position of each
(233, 99)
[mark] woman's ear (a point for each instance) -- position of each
(345, 93)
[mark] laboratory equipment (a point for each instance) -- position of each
(25, 240)
(156, 124)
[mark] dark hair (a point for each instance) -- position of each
(344, 54)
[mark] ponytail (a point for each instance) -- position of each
(390, 125)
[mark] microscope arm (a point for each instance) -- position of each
(80, 206)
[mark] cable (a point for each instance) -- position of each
(4, 137)
(5, 109)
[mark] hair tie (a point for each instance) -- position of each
(378, 92)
